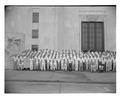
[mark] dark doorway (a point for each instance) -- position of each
(92, 36)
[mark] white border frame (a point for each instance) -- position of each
(57, 2)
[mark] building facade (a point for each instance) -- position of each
(60, 27)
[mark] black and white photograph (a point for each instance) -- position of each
(60, 49)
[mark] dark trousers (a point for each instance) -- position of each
(70, 67)
(84, 66)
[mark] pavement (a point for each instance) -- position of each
(59, 82)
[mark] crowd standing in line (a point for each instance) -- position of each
(65, 60)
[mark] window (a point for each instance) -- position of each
(35, 47)
(92, 36)
(35, 17)
(35, 33)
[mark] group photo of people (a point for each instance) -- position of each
(62, 48)
(65, 60)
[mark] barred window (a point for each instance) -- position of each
(35, 17)
(35, 33)
(35, 47)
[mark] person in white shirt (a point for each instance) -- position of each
(104, 61)
(107, 64)
(73, 63)
(43, 64)
(98, 58)
(89, 63)
(70, 64)
(53, 65)
(58, 62)
(18, 62)
(114, 63)
(92, 64)
(15, 58)
(83, 61)
(96, 63)
(62, 64)
(34, 65)
(81, 64)
(37, 63)
(31, 63)
(76, 64)
(110, 63)
(21, 66)
(78, 58)
(86, 62)
(50, 64)
(65, 65)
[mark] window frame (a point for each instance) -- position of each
(35, 17)
(35, 33)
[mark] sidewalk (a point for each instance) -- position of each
(59, 76)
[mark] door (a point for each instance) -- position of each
(92, 36)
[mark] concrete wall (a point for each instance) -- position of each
(60, 27)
